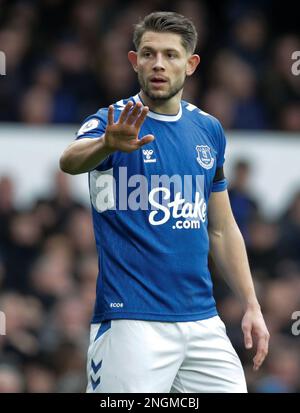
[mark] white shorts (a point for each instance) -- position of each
(134, 356)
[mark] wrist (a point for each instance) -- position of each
(104, 145)
(252, 304)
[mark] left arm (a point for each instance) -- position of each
(228, 251)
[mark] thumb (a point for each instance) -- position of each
(145, 139)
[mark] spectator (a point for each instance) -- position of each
(11, 380)
(62, 63)
(243, 205)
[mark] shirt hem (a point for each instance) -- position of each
(153, 317)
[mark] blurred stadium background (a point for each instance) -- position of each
(64, 60)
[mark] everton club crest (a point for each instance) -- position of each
(204, 156)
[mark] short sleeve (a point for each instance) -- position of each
(94, 127)
(220, 185)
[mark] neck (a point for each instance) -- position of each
(164, 107)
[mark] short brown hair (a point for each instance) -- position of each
(164, 21)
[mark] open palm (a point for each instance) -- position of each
(123, 134)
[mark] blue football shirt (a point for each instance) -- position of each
(149, 211)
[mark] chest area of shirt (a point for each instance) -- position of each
(180, 153)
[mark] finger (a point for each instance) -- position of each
(261, 354)
(145, 139)
(247, 337)
(110, 116)
(134, 114)
(125, 112)
(262, 351)
(142, 117)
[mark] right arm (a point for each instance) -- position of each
(86, 154)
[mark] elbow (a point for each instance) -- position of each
(64, 165)
(216, 233)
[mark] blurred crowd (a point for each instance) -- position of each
(48, 269)
(65, 59)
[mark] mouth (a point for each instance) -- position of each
(158, 81)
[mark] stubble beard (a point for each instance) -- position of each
(159, 98)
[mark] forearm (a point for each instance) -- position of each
(228, 251)
(83, 156)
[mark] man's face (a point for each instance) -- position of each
(161, 65)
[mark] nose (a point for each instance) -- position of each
(158, 63)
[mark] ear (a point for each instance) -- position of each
(192, 64)
(132, 57)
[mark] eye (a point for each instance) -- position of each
(172, 55)
(146, 54)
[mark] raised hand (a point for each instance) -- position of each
(123, 135)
